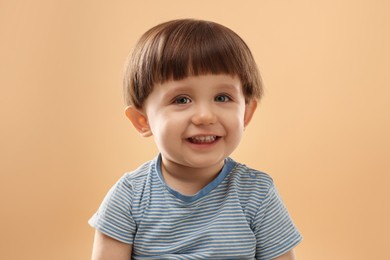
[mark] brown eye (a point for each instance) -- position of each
(222, 98)
(182, 100)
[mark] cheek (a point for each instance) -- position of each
(165, 126)
(234, 119)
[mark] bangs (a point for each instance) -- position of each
(204, 49)
(177, 49)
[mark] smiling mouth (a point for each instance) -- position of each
(203, 139)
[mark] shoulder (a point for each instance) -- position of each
(137, 176)
(129, 185)
(251, 187)
(135, 180)
(251, 179)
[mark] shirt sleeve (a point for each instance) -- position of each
(114, 217)
(274, 229)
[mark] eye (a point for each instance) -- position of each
(222, 98)
(181, 100)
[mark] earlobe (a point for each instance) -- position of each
(250, 109)
(139, 120)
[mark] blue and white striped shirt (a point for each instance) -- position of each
(239, 215)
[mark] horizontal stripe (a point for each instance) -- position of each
(239, 215)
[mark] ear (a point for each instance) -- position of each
(139, 120)
(250, 109)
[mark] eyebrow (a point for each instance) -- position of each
(177, 89)
(228, 85)
(183, 87)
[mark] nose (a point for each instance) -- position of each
(204, 115)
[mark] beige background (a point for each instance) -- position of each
(322, 130)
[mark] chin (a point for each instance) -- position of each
(208, 161)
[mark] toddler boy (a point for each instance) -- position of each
(193, 85)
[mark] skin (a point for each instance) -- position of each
(107, 248)
(196, 123)
(209, 106)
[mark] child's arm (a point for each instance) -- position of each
(287, 256)
(107, 248)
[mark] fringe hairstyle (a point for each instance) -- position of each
(177, 49)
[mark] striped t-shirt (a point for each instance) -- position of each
(239, 215)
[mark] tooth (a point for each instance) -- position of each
(203, 139)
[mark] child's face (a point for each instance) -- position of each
(196, 122)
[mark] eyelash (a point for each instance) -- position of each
(178, 100)
(224, 96)
(182, 100)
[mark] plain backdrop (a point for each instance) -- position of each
(322, 129)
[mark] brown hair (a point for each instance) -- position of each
(177, 49)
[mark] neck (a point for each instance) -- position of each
(188, 180)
